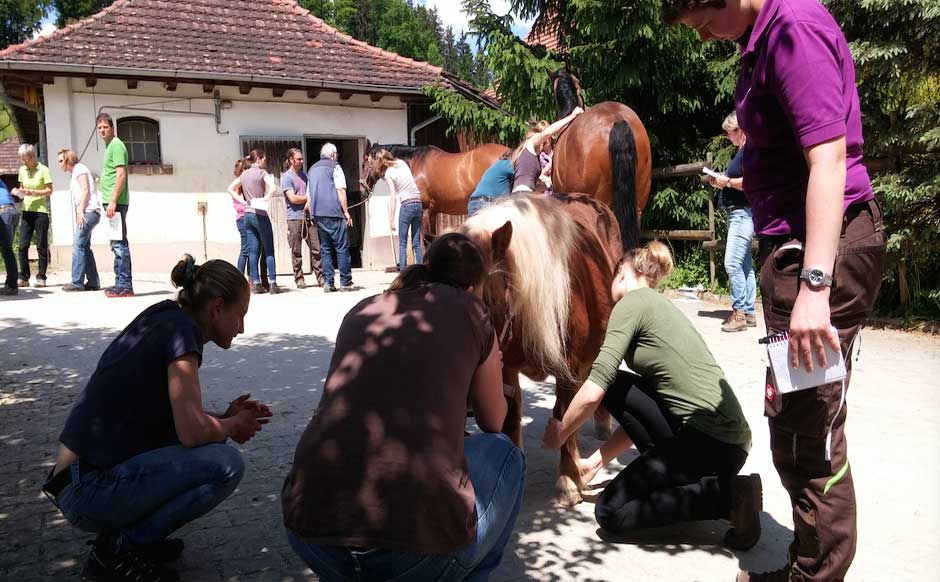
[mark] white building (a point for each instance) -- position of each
(192, 86)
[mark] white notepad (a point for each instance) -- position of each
(116, 227)
(792, 379)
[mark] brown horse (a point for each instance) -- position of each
(550, 264)
(446, 180)
(604, 153)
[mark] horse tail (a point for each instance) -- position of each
(622, 148)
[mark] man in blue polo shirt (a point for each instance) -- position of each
(326, 201)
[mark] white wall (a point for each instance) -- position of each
(163, 211)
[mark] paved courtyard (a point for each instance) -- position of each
(50, 342)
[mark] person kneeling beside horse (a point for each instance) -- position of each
(139, 457)
(680, 413)
(384, 484)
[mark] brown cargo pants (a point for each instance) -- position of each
(807, 428)
(299, 231)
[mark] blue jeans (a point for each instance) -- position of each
(260, 234)
(497, 471)
(244, 253)
(333, 237)
(410, 215)
(738, 262)
(148, 497)
(83, 260)
(478, 204)
(9, 219)
(122, 255)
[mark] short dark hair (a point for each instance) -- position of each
(673, 10)
(104, 117)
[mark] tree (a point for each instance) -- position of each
(72, 10)
(21, 19)
(401, 30)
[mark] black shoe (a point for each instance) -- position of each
(103, 565)
(92, 287)
(70, 288)
(9, 291)
(746, 505)
(169, 550)
(257, 289)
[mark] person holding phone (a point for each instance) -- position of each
(822, 246)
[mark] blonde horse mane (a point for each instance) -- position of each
(538, 274)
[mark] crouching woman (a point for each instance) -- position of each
(384, 485)
(139, 457)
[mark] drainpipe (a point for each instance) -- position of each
(420, 126)
(40, 114)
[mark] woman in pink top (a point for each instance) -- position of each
(822, 245)
(238, 201)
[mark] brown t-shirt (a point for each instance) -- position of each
(381, 463)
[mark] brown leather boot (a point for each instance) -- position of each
(737, 321)
(746, 504)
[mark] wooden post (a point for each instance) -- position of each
(711, 227)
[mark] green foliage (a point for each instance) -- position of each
(70, 11)
(7, 129)
(21, 19)
(480, 121)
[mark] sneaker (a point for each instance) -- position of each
(103, 565)
(781, 575)
(40, 282)
(9, 290)
(301, 284)
(746, 505)
(22, 283)
(70, 288)
(350, 287)
(274, 289)
(329, 289)
(118, 292)
(257, 289)
(735, 322)
(750, 319)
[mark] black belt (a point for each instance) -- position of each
(63, 478)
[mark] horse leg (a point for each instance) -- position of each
(568, 486)
(601, 424)
(512, 426)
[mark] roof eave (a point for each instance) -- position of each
(64, 69)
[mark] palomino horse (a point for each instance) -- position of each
(550, 263)
(446, 180)
(604, 153)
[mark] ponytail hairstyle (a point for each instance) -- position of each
(255, 156)
(653, 262)
(382, 160)
(290, 156)
(240, 166)
(535, 128)
(200, 284)
(452, 259)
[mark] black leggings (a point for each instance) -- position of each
(681, 474)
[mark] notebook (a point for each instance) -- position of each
(792, 379)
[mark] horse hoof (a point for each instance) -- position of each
(568, 493)
(602, 431)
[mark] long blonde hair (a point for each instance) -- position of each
(537, 272)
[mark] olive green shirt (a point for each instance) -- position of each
(660, 344)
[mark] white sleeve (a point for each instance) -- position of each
(339, 178)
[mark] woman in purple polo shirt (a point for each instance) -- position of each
(821, 245)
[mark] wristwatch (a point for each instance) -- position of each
(816, 278)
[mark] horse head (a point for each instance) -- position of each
(566, 88)
(367, 174)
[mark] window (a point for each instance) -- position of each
(142, 138)
(275, 150)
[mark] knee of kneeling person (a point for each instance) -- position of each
(229, 463)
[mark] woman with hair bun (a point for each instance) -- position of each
(678, 409)
(139, 457)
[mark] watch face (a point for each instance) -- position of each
(816, 277)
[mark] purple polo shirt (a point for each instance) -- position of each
(796, 89)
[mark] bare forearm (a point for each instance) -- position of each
(581, 408)
(825, 197)
(736, 183)
(341, 193)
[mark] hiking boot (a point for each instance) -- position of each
(746, 503)
(781, 575)
(9, 291)
(22, 283)
(70, 288)
(301, 284)
(104, 565)
(736, 322)
(119, 292)
(273, 289)
(257, 289)
(750, 319)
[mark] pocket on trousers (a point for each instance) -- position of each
(857, 274)
(780, 278)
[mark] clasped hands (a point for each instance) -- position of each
(250, 416)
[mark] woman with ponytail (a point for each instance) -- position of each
(678, 409)
(139, 457)
(384, 483)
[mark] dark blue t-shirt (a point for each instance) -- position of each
(732, 197)
(124, 409)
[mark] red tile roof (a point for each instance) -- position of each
(545, 32)
(262, 41)
(9, 156)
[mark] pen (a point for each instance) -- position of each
(774, 337)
